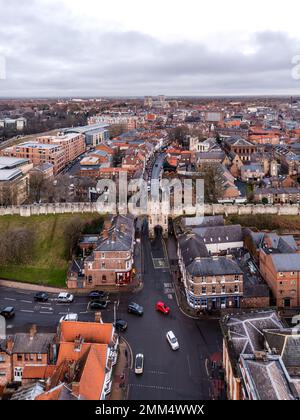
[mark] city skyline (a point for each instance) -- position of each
(62, 48)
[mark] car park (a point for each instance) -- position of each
(135, 309)
(65, 298)
(98, 305)
(172, 340)
(41, 297)
(8, 312)
(120, 325)
(139, 364)
(162, 308)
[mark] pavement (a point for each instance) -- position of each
(168, 375)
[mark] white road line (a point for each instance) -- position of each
(29, 312)
(46, 307)
(9, 327)
(26, 301)
(63, 313)
(46, 313)
(165, 388)
(86, 312)
(156, 372)
(13, 300)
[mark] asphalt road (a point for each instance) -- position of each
(168, 375)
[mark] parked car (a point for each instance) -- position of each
(69, 317)
(98, 304)
(135, 309)
(97, 294)
(120, 325)
(8, 312)
(172, 340)
(41, 297)
(163, 308)
(65, 298)
(139, 364)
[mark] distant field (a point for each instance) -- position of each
(49, 264)
(267, 222)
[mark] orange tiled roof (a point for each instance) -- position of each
(92, 332)
(93, 374)
(38, 372)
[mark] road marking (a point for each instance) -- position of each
(29, 312)
(46, 307)
(63, 313)
(165, 388)
(86, 312)
(26, 301)
(46, 313)
(9, 327)
(156, 372)
(13, 300)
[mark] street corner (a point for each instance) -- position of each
(120, 387)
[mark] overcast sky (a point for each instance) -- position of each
(139, 47)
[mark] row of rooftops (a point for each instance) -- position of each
(259, 342)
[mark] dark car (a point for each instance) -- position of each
(98, 304)
(135, 309)
(97, 294)
(120, 325)
(8, 312)
(41, 297)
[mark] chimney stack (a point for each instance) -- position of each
(32, 332)
(78, 343)
(98, 317)
(9, 344)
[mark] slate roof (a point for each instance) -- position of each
(269, 380)
(220, 234)
(120, 236)
(286, 262)
(214, 267)
(191, 247)
(23, 343)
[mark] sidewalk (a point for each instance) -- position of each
(120, 387)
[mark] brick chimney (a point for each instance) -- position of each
(32, 332)
(98, 317)
(9, 344)
(78, 343)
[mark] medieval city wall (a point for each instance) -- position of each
(210, 209)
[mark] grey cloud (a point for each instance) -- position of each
(49, 53)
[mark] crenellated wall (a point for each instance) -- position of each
(210, 209)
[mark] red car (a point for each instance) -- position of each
(163, 308)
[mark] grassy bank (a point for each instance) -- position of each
(48, 265)
(267, 222)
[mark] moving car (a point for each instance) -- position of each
(65, 298)
(139, 364)
(163, 308)
(98, 304)
(135, 309)
(120, 325)
(96, 295)
(8, 312)
(172, 340)
(69, 317)
(41, 297)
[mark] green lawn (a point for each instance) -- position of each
(48, 265)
